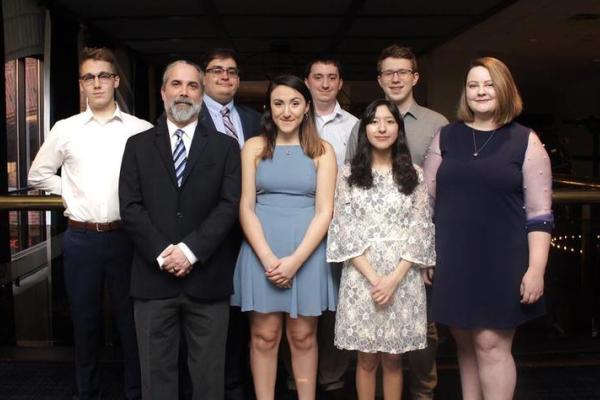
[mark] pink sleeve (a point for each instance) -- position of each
(433, 159)
(537, 186)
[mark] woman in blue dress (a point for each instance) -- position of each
(492, 184)
(281, 276)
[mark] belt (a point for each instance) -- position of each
(95, 226)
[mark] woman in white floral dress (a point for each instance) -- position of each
(383, 233)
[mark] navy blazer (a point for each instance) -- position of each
(250, 120)
(157, 212)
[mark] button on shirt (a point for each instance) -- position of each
(214, 108)
(89, 151)
(336, 128)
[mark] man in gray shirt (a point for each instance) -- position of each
(397, 74)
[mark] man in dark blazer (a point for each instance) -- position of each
(219, 111)
(221, 83)
(179, 193)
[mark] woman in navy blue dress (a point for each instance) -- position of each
(492, 184)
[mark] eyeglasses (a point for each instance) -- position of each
(103, 77)
(402, 73)
(233, 72)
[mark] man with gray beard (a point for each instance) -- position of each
(179, 194)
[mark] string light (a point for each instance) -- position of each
(563, 243)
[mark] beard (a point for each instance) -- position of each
(182, 109)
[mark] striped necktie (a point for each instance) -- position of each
(229, 128)
(179, 156)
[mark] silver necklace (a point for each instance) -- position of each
(476, 150)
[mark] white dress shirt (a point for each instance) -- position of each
(336, 128)
(214, 108)
(89, 151)
(188, 135)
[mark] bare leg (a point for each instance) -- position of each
(302, 338)
(392, 376)
(366, 372)
(497, 371)
(467, 363)
(265, 334)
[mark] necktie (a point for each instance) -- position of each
(229, 128)
(179, 156)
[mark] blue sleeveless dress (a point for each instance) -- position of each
(285, 206)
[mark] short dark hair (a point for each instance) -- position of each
(323, 59)
(97, 54)
(397, 51)
(219, 53)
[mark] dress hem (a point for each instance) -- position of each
(408, 349)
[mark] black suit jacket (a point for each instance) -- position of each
(250, 120)
(156, 212)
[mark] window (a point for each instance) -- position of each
(23, 79)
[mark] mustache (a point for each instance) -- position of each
(183, 100)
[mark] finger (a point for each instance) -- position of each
(426, 279)
(167, 251)
(522, 288)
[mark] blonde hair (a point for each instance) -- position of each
(508, 99)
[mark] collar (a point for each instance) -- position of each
(89, 115)
(188, 130)
(337, 113)
(215, 107)
(414, 110)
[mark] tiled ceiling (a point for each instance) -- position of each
(273, 35)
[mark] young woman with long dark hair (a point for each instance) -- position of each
(383, 233)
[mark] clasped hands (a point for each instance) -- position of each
(175, 262)
(384, 287)
(281, 271)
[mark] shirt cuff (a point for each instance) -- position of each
(187, 252)
(543, 223)
(160, 259)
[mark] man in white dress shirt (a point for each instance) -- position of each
(88, 148)
(323, 76)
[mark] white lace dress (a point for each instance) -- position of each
(386, 226)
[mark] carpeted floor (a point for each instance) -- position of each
(27, 380)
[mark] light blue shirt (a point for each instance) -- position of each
(214, 108)
(336, 128)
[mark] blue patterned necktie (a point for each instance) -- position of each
(229, 128)
(179, 156)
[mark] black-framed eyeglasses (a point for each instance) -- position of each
(234, 72)
(103, 77)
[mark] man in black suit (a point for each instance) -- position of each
(221, 83)
(179, 191)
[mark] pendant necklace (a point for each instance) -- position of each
(476, 150)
